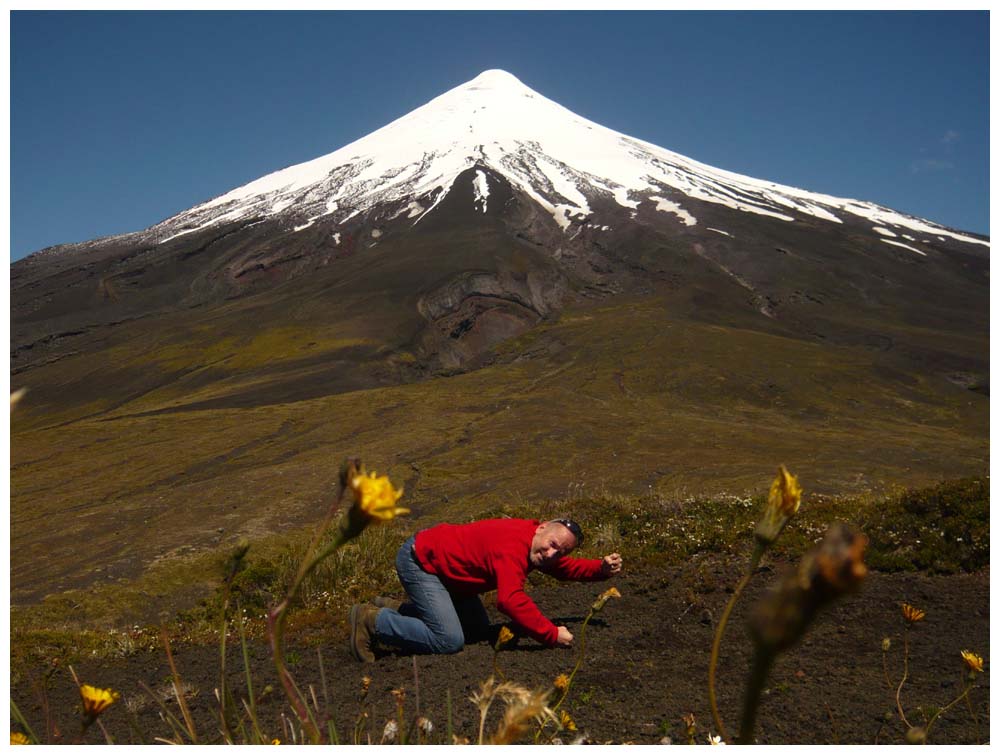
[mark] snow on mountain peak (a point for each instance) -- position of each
(494, 78)
(555, 156)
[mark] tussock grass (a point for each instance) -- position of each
(941, 529)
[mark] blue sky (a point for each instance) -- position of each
(122, 119)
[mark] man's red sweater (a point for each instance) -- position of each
(493, 554)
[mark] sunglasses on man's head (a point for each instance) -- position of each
(572, 527)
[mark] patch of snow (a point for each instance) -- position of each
(336, 239)
(481, 188)
(886, 231)
(665, 205)
(436, 202)
(376, 233)
(717, 230)
(896, 243)
(308, 223)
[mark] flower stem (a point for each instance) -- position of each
(966, 689)
(720, 631)
(762, 661)
(278, 615)
(906, 669)
(579, 659)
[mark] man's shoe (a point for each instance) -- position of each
(363, 631)
(383, 602)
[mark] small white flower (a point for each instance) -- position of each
(390, 731)
(715, 740)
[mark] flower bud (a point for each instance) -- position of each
(503, 638)
(782, 504)
(611, 592)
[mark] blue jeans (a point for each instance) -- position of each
(432, 620)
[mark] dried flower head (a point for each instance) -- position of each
(886, 644)
(611, 592)
(503, 638)
(424, 726)
(833, 568)
(566, 722)
(96, 701)
(972, 661)
(782, 504)
(689, 722)
(561, 682)
(912, 614)
(366, 682)
(524, 709)
(400, 695)
(916, 735)
(17, 738)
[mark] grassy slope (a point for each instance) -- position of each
(623, 397)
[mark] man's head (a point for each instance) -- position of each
(553, 540)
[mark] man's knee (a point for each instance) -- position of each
(448, 642)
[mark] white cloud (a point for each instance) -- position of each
(931, 166)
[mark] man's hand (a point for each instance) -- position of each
(611, 564)
(565, 638)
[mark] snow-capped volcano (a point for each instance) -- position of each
(562, 161)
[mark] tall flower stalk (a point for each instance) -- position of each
(563, 683)
(375, 500)
(782, 504)
(833, 568)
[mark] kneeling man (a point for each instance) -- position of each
(444, 570)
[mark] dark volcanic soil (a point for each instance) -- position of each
(645, 666)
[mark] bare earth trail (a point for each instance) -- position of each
(645, 667)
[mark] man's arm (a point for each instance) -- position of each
(513, 601)
(585, 569)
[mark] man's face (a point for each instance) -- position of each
(551, 542)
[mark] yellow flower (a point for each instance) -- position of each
(782, 504)
(561, 682)
(504, 637)
(912, 614)
(972, 661)
(785, 492)
(611, 592)
(566, 722)
(96, 700)
(17, 738)
(374, 501)
(377, 497)
(276, 741)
